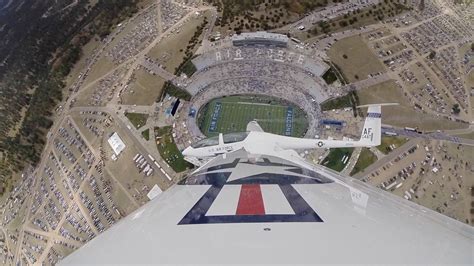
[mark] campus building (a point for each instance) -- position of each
(116, 143)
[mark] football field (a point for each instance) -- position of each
(231, 114)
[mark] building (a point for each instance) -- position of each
(175, 107)
(116, 143)
(260, 38)
(155, 191)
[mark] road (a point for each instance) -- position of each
(365, 83)
(352, 162)
(433, 135)
(206, 44)
(155, 68)
(143, 147)
(76, 89)
(327, 13)
(386, 159)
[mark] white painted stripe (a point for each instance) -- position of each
(274, 200)
(226, 202)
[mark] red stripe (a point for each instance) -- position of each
(250, 200)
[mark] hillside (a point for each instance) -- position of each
(39, 43)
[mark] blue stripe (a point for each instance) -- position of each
(374, 115)
(289, 121)
(302, 210)
(215, 116)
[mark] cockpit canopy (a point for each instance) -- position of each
(228, 138)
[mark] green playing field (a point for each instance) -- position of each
(232, 113)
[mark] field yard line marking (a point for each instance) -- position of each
(248, 103)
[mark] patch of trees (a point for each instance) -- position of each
(187, 68)
(42, 43)
(456, 109)
(432, 54)
(186, 65)
(330, 76)
(359, 17)
(263, 14)
(338, 72)
(170, 89)
(188, 53)
(349, 100)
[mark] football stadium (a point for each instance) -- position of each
(232, 113)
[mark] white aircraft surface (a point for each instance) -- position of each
(256, 141)
(261, 203)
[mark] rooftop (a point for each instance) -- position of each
(260, 35)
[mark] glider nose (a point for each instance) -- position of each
(188, 151)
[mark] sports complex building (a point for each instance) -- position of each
(260, 38)
(254, 76)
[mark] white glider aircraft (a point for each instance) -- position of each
(255, 140)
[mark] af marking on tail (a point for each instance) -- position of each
(372, 131)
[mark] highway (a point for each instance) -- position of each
(77, 88)
(386, 159)
(432, 135)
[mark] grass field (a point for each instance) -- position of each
(334, 158)
(232, 114)
(366, 158)
(403, 115)
(144, 90)
(384, 147)
(466, 136)
(93, 89)
(354, 58)
(354, 20)
(169, 52)
(79, 66)
(99, 69)
(146, 134)
(330, 76)
(168, 149)
(188, 68)
(138, 120)
(348, 100)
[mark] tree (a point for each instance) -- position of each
(456, 109)
(432, 54)
(343, 23)
(421, 6)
